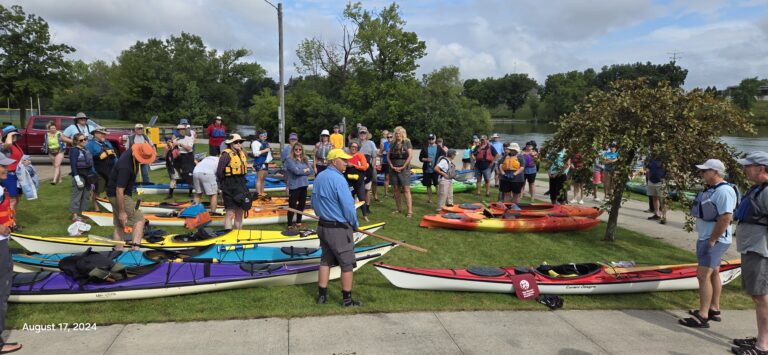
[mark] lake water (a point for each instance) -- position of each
(523, 131)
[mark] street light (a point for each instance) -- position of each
(281, 93)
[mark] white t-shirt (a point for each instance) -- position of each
(187, 140)
(444, 165)
(207, 165)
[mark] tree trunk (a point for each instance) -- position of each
(613, 216)
(22, 115)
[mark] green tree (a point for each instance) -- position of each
(513, 89)
(679, 129)
(670, 72)
(534, 103)
(30, 64)
(563, 91)
(745, 95)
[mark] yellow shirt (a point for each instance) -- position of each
(337, 139)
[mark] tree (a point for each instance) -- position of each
(534, 103)
(670, 72)
(563, 91)
(513, 89)
(30, 64)
(679, 129)
(745, 95)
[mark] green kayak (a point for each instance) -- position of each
(458, 186)
(640, 188)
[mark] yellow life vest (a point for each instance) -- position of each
(510, 164)
(237, 161)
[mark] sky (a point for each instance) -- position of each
(720, 42)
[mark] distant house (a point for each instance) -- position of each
(762, 92)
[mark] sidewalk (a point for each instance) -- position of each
(523, 332)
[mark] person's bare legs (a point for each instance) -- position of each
(346, 281)
(214, 203)
(396, 195)
(408, 200)
(229, 217)
(761, 309)
(717, 289)
(704, 275)
(323, 275)
(238, 224)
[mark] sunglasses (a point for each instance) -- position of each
(297, 149)
(80, 140)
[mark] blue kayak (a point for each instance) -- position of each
(222, 253)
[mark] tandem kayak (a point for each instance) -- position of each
(305, 239)
(523, 223)
(567, 279)
(458, 186)
(223, 253)
(256, 216)
(498, 209)
(165, 279)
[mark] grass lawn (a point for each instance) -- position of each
(49, 216)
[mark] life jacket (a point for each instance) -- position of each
(7, 215)
(56, 138)
(398, 151)
(261, 159)
(237, 163)
(484, 154)
(704, 207)
(749, 211)
(84, 159)
(218, 132)
(322, 152)
(132, 139)
(511, 163)
(106, 151)
(91, 265)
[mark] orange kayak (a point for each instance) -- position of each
(519, 223)
(498, 209)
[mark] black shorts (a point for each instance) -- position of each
(384, 169)
(338, 247)
(467, 160)
(531, 178)
(232, 186)
(429, 179)
(514, 187)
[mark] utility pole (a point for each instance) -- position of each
(281, 111)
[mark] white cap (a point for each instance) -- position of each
(325, 133)
(713, 164)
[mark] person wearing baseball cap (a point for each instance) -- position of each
(139, 136)
(216, 133)
(104, 158)
(428, 157)
(125, 216)
(7, 222)
(752, 244)
(713, 209)
(335, 206)
(10, 144)
(321, 151)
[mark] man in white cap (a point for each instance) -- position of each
(80, 126)
(713, 209)
(499, 146)
(7, 222)
(752, 244)
(138, 136)
(216, 133)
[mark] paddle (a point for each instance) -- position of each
(624, 270)
(409, 246)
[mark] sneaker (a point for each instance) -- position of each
(597, 199)
(573, 201)
(351, 303)
(449, 204)
(654, 218)
(663, 221)
(321, 299)
(648, 211)
(581, 202)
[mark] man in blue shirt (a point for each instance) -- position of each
(713, 210)
(499, 147)
(429, 157)
(610, 157)
(338, 221)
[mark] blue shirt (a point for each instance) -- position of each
(498, 145)
(73, 129)
(331, 199)
(610, 155)
(431, 153)
(295, 176)
(724, 198)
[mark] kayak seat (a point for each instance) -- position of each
(519, 270)
(254, 268)
(486, 271)
(568, 270)
(453, 216)
(26, 278)
(290, 233)
(198, 235)
(294, 251)
(469, 206)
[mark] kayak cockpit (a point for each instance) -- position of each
(567, 270)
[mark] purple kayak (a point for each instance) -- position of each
(165, 279)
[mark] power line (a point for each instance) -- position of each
(674, 56)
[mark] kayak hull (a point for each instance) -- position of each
(167, 279)
(458, 187)
(521, 224)
(498, 209)
(306, 239)
(601, 282)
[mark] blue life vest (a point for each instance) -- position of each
(704, 207)
(749, 211)
(218, 132)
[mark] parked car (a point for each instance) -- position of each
(33, 135)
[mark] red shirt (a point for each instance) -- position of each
(220, 130)
(16, 154)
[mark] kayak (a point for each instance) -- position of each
(567, 279)
(166, 207)
(165, 279)
(417, 175)
(498, 209)
(256, 216)
(522, 223)
(297, 239)
(157, 189)
(222, 253)
(458, 186)
(159, 163)
(642, 188)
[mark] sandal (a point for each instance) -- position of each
(396, 212)
(713, 314)
(751, 350)
(697, 321)
(409, 215)
(745, 342)
(9, 351)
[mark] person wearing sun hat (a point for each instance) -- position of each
(80, 126)
(7, 222)
(10, 147)
(230, 176)
(752, 243)
(126, 217)
(713, 210)
(335, 206)
(139, 136)
(321, 151)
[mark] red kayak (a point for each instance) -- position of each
(518, 223)
(498, 209)
(566, 279)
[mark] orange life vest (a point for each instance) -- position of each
(7, 215)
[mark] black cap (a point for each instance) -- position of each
(431, 136)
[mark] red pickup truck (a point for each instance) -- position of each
(33, 136)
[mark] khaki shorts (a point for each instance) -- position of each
(338, 247)
(134, 215)
(205, 184)
(654, 189)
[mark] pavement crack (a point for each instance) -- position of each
(582, 333)
(289, 336)
(115, 339)
(449, 333)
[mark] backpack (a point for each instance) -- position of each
(90, 265)
(451, 168)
